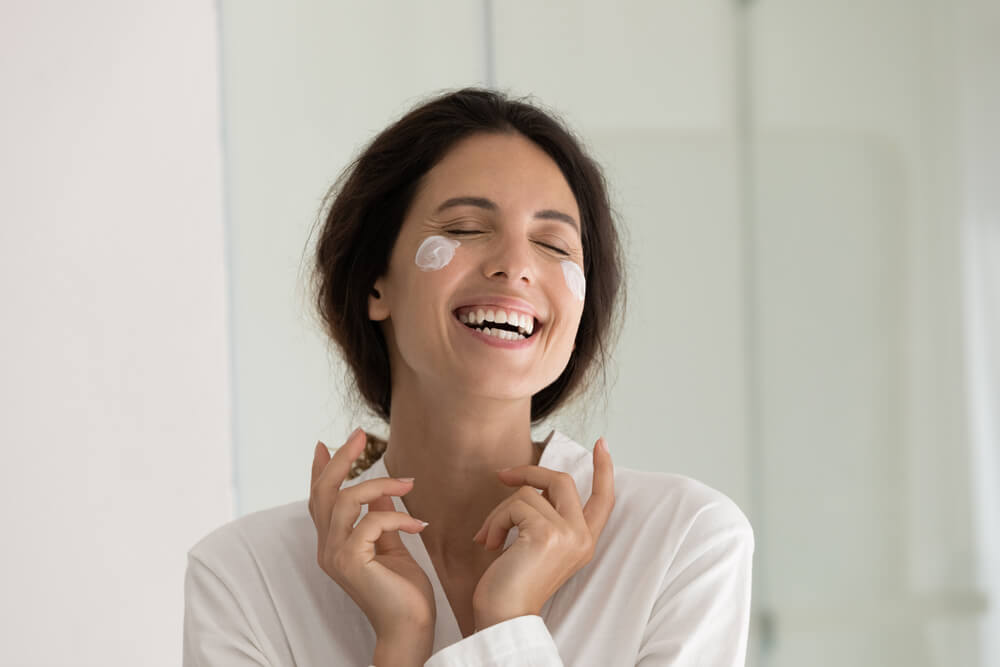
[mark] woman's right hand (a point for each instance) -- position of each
(369, 561)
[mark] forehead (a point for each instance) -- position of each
(507, 168)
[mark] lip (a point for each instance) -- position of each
(497, 342)
(500, 302)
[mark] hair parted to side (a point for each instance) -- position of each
(368, 204)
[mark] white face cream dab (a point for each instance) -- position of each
(435, 253)
(575, 281)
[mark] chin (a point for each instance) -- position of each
(502, 388)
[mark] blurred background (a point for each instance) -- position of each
(810, 193)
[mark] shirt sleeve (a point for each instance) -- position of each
(216, 630)
(702, 613)
(517, 642)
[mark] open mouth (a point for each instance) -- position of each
(503, 330)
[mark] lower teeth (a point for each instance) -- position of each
(502, 334)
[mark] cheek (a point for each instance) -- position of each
(564, 295)
(434, 253)
(573, 277)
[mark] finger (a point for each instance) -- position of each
(372, 527)
(478, 537)
(602, 496)
(525, 494)
(347, 509)
(321, 456)
(389, 542)
(336, 467)
(558, 486)
(324, 489)
(484, 528)
(518, 512)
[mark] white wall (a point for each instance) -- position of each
(114, 391)
(869, 545)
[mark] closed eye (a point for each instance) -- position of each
(470, 231)
(558, 250)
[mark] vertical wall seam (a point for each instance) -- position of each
(229, 273)
(747, 196)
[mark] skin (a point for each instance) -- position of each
(461, 409)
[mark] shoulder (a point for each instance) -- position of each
(258, 537)
(680, 499)
(268, 538)
(667, 499)
(695, 520)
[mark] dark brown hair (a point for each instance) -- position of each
(371, 197)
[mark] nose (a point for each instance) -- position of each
(512, 260)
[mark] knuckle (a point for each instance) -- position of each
(549, 533)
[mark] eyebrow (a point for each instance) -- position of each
(490, 205)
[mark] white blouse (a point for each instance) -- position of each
(669, 584)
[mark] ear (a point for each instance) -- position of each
(378, 307)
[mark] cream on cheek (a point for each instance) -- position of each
(435, 253)
(575, 281)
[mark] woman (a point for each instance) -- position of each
(469, 270)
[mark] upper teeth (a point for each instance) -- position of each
(524, 322)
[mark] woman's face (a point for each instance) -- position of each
(513, 241)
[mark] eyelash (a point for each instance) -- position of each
(546, 245)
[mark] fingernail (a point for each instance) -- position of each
(604, 445)
(405, 479)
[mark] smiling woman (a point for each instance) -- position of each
(455, 145)
(469, 272)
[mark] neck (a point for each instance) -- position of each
(452, 445)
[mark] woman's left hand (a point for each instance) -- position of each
(555, 537)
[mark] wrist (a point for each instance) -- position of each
(412, 646)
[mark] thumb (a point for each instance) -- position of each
(321, 456)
